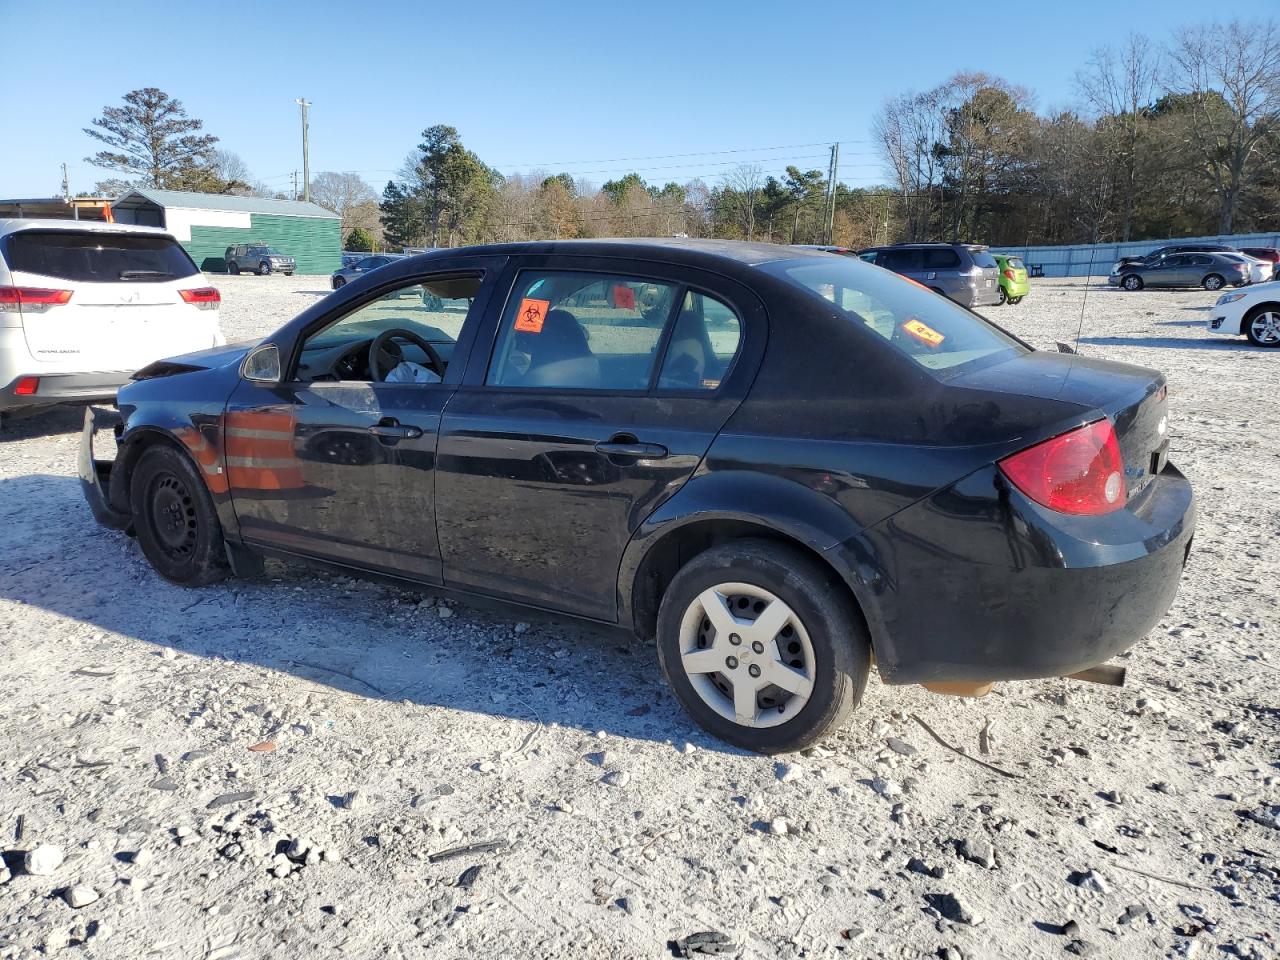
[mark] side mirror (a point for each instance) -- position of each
(262, 365)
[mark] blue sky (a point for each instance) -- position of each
(581, 87)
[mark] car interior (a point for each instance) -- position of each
(418, 323)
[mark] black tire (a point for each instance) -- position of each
(1253, 315)
(339, 282)
(1004, 298)
(174, 518)
(264, 268)
(233, 268)
(1132, 282)
(1014, 301)
(1213, 282)
(841, 647)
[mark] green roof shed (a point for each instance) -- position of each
(207, 223)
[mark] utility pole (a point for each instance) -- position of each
(295, 184)
(303, 102)
(833, 173)
(66, 194)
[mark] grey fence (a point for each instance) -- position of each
(1082, 260)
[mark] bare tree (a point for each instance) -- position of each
(1120, 87)
(745, 180)
(1232, 75)
(909, 129)
(342, 193)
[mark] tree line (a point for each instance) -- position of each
(1166, 141)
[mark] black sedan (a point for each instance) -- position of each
(782, 465)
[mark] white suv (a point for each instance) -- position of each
(84, 304)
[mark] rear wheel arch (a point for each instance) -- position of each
(676, 548)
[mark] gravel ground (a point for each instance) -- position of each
(271, 766)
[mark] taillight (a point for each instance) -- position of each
(27, 386)
(1080, 472)
(206, 298)
(1008, 274)
(31, 299)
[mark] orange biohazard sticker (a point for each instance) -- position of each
(923, 332)
(624, 298)
(531, 314)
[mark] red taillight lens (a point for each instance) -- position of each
(27, 386)
(1080, 472)
(1008, 274)
(206, 298)
(35, 298)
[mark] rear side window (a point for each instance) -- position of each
(941, 259)
(934, 332)
(901, 261)
(98, 256)
(581, 331)
(703, 344)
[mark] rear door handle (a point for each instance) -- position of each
(633, 448)
(394, 430)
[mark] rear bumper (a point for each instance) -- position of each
(55, 388)
(981, 584)
(978, 296)
(95, 474)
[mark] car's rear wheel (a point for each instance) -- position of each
(1213, 282)
(762, 645)
(1004, 298)
(1014, 301)
(264, 268)
(339, 282)
(175, 520)
(233, 268)
(1262, 326)
(1132, 282)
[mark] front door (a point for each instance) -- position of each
(338, 461)
(605, 387)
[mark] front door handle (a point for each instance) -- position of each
(392, 429)
(628, 446)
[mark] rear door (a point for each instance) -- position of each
(125, 308)
(606, 383)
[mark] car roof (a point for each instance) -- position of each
(14, 225)
(680, 250)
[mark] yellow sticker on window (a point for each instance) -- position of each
(923, 332)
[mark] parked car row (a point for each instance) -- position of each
(1209, 265)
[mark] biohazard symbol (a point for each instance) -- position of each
(531, 314)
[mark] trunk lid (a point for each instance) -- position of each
(1135, 398)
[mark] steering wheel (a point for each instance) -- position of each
(384, 348)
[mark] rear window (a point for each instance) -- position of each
(983, 258)
(930, 329)
(1015, 263)
(98, 256)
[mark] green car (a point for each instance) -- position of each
(1014, 284)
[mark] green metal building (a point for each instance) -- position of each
(207, 223)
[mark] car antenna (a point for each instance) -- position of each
(1088, 279)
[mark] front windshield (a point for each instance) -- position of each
(927, 327)
(435, 311)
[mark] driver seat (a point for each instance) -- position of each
(560, 355)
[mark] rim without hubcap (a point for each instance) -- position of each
(173, 516)
(747, 655)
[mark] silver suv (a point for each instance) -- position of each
(964, 272)
(258, 258)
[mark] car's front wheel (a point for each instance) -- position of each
(338, 282)
(264, 268)
(762, 645)
(1132, 282)
(175, 520)
(1213, 282)
(1262, 326)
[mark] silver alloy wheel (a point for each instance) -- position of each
(1266, 327)
(1213, 282)
(1132, 283)
(747, 655)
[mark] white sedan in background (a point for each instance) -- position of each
(1259, 270)
(1253, 312)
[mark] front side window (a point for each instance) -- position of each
(98, 256)
(404, 336)
(934, 332)
(581, 331)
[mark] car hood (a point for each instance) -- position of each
(208, 359)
